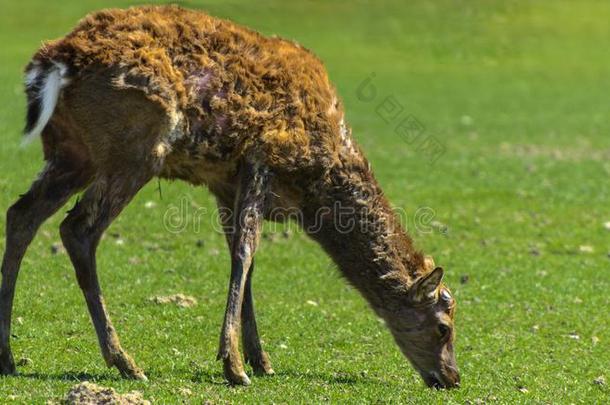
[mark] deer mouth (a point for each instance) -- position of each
(434, 380)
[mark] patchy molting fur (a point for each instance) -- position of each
(198, 94)
(226, 91)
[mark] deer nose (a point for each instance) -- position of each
(451, 378)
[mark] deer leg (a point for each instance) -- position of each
(250, 206)
(81, 232)
(253, 352)
(47, 194)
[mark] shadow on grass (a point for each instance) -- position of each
(338, 378)
(206, 376)
(342, 378)
(69, 376)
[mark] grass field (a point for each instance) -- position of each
(516, 93)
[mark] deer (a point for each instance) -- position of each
(134, 94)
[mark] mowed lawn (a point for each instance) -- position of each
(516, 207)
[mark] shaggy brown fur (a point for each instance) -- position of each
(162, 91)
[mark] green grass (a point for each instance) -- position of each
(522, 185)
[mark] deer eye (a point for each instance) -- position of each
(443, 330)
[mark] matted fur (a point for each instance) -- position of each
(235, 87)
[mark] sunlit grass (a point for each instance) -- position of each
(516, 92)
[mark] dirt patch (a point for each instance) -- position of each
(576, 153)
(87, 393)
(181, 300)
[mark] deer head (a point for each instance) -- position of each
(420, 318)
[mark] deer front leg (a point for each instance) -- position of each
(253, 351)
(250, 206)
(254, 354)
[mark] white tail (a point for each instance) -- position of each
(43, 86)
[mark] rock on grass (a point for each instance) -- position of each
(87, 393)
(181, 300)
(24, 361)
(600, 380)
(586, 249)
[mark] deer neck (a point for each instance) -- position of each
(357, 227)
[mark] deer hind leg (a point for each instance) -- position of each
(81, 232)
(250, 207)
(253, 351)
(55, 185)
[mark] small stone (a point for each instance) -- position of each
(283, 346)
(601, 380)
(574, 335)
(607, 225)
(57, 248)
(181, 300)
(523, 389)
(24, 361)
(440, 227)
(134, 260)
(535, 328)
(119, 241)
(312, 303)
(586, 249)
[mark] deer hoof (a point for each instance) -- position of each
(138, 375)
(239, 379)
(234, 374)
(133, 374)
(7, 364)
(261, 365)
(128, 369)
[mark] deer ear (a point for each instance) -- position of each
(427, 285)
(429, 263)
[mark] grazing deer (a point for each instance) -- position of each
(161, 91)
